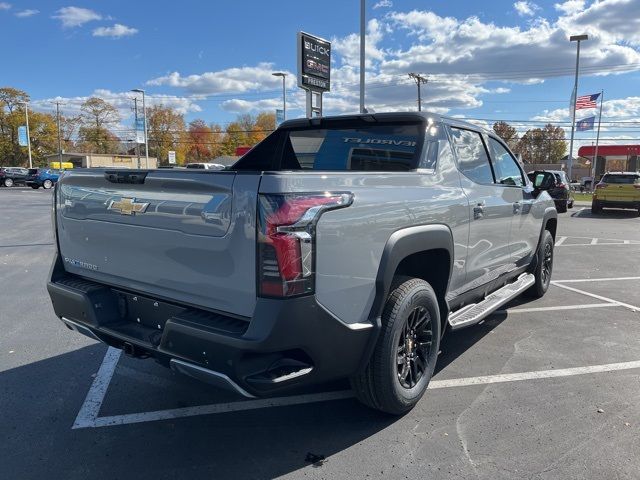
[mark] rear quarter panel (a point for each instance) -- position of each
(350, 241)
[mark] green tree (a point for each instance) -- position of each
(11, 117)
(542, 145)
(97, 117)
(507, 132)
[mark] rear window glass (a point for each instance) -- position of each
(365, 147)
(625, 179)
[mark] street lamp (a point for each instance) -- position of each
(578, 39)
(144, 115)
(284, 93)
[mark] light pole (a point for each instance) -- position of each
(26, 115)
(362, 52)
(578, 39)
(284, 93)
(144, 115)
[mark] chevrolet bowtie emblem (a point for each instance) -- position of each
(127, 206)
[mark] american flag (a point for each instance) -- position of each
(587, 101)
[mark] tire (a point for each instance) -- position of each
(8, 182)
(385, 384)
(562, 208)
(47, 184)
(570, 204)
(543, 267)
(595, 207)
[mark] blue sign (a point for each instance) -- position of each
(140, 130)
(23, 139)
(279, 116)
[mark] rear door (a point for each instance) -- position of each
(187, 236)
(491, 209)
(525, 229)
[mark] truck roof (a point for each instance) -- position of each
(381, 117)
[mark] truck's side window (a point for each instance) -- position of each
(473, 160)
(507, 170)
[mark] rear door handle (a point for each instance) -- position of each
(478, 210)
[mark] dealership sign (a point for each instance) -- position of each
(314, 63)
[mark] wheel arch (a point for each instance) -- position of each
(407, 252)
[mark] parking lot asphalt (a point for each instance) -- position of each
(542, 389)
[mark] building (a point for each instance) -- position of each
(613, 158)
(97, 160)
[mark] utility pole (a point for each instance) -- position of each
(362, 52)
(59, 134)
(419, 79)
(135, 110)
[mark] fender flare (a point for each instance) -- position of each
(400, 245)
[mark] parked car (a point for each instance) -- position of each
(617, 190)
(10, 176)
(45, 178)
(342, 247)
(206, 166)
(556, 183)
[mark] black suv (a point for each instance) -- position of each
(555, 182)
(10, 176)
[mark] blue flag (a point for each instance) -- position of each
(585, 124)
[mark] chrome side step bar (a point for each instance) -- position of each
(476, 312)
(208, 376)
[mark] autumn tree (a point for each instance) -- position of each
(98, 116)
(200, 138)
(507, 133)
(166, 132)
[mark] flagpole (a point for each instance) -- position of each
(595, 154)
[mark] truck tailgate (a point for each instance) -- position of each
(185, 236)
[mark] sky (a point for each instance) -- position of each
(486, 61)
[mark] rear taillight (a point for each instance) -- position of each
(286, 240)
(601, 185)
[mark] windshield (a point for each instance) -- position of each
(357, 147)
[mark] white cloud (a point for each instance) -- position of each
(231, 80)
(27, 13)
(526, 9)
(5, 6)
(465, 59)
(76, 16)
(116, 31)
(383, 4)
(570, 6)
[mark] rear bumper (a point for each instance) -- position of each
(635, 204)
(287, 343)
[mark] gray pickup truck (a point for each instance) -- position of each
(337, 247)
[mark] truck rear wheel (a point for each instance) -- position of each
(405, 355)
(543, 267)
(596, 207)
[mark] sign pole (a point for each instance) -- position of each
(314, 71)
(595, 154)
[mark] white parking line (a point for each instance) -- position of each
(88, 416)
(91, 407)
(240, 406)
(560, 241)
(561, 307)
(610, 279)
(599, 297)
